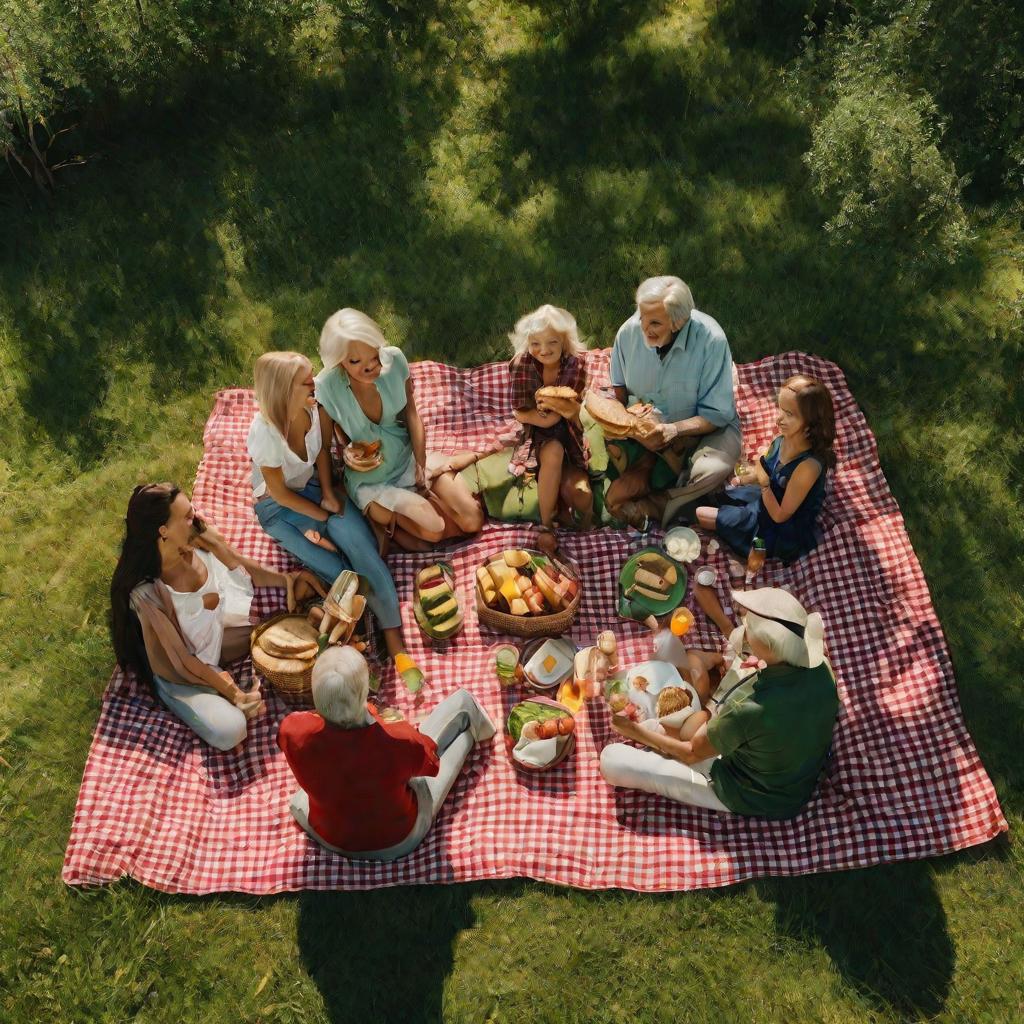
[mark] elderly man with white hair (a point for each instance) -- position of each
(765, 745)
(370, 789)
(677, 359)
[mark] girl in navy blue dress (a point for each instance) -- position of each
(780, 504)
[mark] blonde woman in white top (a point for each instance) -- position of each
(297, 502)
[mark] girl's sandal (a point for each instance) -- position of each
(410, 672)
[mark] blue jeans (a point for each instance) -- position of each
(352, 536)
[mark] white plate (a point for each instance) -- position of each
(658, 674)
(688, 541)
(563, 663)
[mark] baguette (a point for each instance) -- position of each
(645, 578)
(652, 595)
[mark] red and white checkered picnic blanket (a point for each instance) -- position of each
(905, 780)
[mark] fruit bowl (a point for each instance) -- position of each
(564, 744)
(524, 592)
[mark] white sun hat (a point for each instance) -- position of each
(776, 618)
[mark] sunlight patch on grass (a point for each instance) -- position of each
(676, 29)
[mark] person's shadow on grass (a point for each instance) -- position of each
(884, 929)
(382, 956)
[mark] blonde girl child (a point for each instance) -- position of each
(552, 445)
(779, 499)
(410, 495)
(296, 501)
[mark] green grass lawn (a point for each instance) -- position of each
(532, 155)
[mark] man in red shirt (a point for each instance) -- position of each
(371, 788)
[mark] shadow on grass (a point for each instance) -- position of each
(384, 955)
(884, 929)
(141, 263)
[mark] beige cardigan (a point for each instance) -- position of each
(170, 655)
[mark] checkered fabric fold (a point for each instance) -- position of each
(904, 781)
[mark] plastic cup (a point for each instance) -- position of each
(506, 660)
(682, 620)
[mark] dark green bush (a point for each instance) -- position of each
(966, 55)
(875, 160)
(59, 61)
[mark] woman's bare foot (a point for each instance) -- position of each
(320, 540)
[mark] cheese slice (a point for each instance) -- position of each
(549, 663)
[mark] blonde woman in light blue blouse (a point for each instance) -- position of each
(365, 387)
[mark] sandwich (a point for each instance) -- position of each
(363, 455)
(638, 421)
(560, 398)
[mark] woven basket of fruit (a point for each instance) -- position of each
(284, 649)
(527, 593)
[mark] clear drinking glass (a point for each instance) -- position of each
(506, 660)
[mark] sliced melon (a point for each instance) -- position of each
(432, 572)
(443, 610)
(436, 592)
(446, 627)
(421, 618)
(519, 607)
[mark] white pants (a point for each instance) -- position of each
(456, 724)
(213, 718)
(632, 768)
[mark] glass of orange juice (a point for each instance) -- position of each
(681, 621)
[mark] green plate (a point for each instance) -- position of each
(637, 603)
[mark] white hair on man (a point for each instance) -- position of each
(672, 292)
(346, 326)
(341, 685)
(561, 321)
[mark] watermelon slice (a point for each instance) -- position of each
(435, 592)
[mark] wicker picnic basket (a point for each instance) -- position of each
(554, 624)
(289, 684)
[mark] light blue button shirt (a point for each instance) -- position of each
(694, 379)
